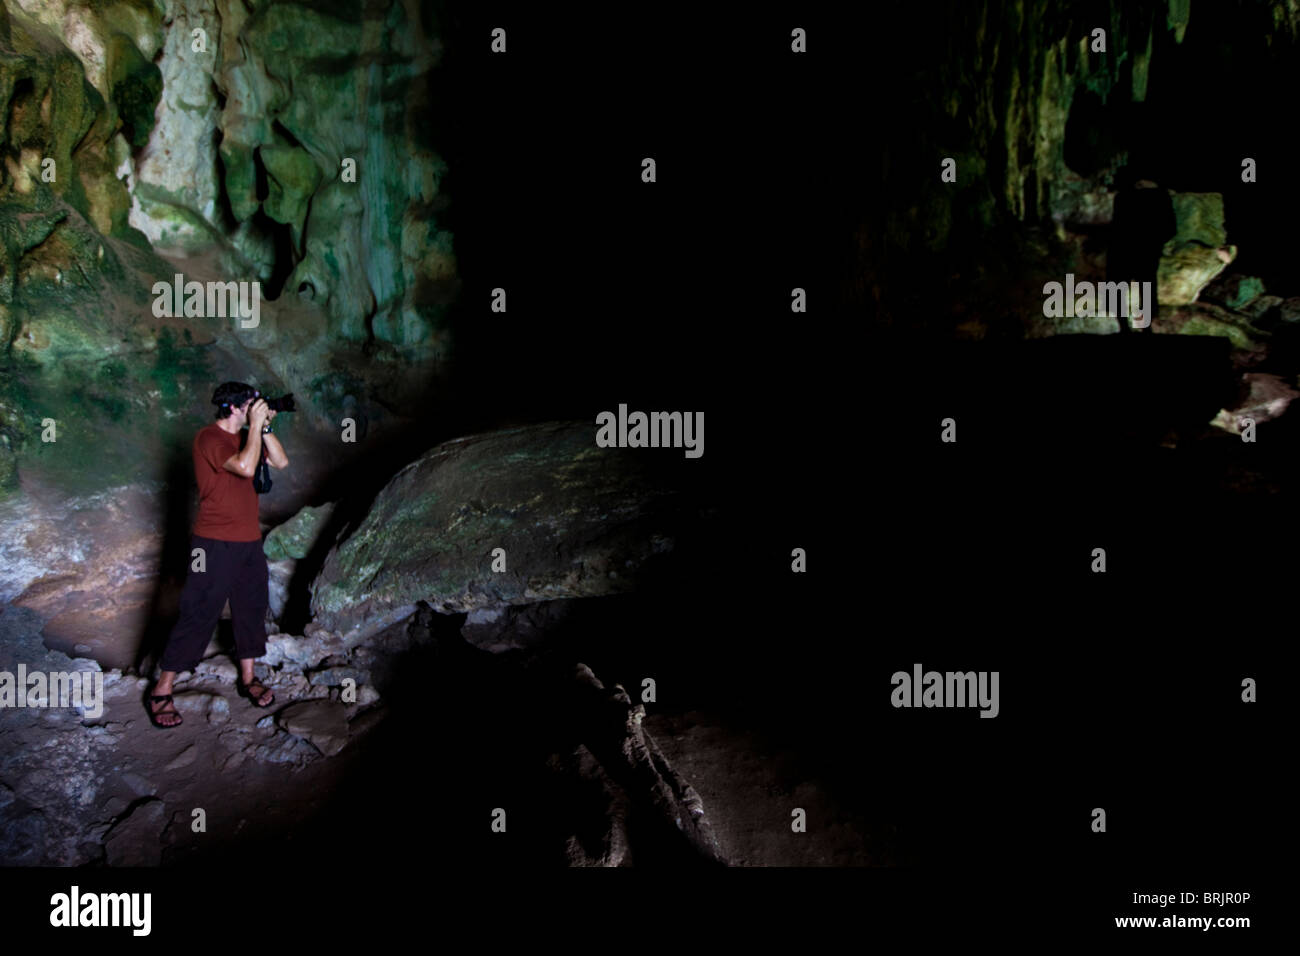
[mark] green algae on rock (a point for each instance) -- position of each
(296, 537)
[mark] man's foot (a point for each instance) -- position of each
(255, 691)
(162, 711)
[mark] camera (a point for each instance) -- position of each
(262, 476)
(282, 404)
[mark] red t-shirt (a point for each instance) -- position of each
(227, 502)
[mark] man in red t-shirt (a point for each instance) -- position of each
(228, 532)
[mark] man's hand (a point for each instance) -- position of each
(257, 414)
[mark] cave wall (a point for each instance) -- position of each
(1037, 122)
(255, 118)
(308, 89)
(64, 230)
(220, 130)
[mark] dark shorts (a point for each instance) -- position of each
(234, 570)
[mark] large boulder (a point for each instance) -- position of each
(1197, 253)
(287, 544)
(296, 537)
(1187, 269)
(572, 519)
(89, 568)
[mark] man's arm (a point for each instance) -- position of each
(275, 456)
(245, 462)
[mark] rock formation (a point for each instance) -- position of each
(519, 516)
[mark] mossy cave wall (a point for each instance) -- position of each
(215, 138)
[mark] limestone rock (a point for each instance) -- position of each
(574, 520)
(22, 837)
(285, 748)
(296, 537)
(620, 759)
(304, 87)
(1197, 253)
(135, 85)
(335, 676)
(322, 723)
(607, 846)
(1260, 310)
(1268, 397)
(1248, 288)
(300, 653)
(88, 568)
(1200, 219)
(292, 178)
(279, 575)
(508, 627)
(233, 762)
(366, 696)
(218, 668)
(176, 189)
(194, 702)
(137, 839)
(218, 711)
(138, 785)
(1289, 310)
(184, 758)
(1204, 319)
(1188, 268)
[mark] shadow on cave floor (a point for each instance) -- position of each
(164, 606)
(466, 732)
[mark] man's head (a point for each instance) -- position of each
(233, 399)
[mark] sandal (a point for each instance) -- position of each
(154, 714)
(246, 690)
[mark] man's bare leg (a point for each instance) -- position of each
(246, 678)
(164, 710)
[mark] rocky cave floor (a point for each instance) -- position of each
(417, 772)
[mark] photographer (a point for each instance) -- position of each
(227, 530)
